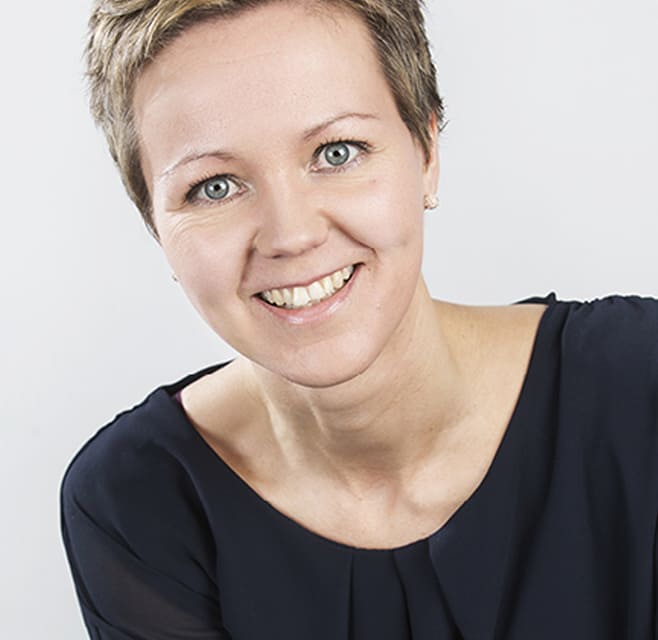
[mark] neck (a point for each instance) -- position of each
(381, 426)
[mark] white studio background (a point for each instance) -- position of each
(549, 183)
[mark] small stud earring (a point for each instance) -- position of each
(174, 278)
(431, 202)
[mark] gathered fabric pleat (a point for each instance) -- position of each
(425, 603)
(378, 610)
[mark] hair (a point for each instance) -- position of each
(126, 35)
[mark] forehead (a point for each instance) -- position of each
(279, 64)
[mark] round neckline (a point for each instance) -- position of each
(488, 480)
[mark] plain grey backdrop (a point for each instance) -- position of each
(549, 183)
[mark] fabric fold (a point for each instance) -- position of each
(426, 605)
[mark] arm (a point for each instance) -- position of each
(141, 556)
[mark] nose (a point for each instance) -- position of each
(291, 223)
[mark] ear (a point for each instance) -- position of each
(431, 173)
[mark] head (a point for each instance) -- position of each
(275, 154)
(125, 36)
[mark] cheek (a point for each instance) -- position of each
(383, 212)
(207, 259)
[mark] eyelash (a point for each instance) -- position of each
(191, 198)
(363, 147)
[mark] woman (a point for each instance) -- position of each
(374, 463)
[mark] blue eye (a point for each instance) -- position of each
(337, 153)
(216, 188)
(333, 157)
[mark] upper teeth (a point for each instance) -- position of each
(297, 297)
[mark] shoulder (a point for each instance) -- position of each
(631, 315)
(608, 387)
(144, 448)
(135, 531)
(123, 453)
(131, 484)
(599, 356)
(614, 336)
(607, 402)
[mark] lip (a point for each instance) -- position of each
(318, 311)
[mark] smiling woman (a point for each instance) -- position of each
(375, 464)
(275, 195)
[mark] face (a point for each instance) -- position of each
(287, 192)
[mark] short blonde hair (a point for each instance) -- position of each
(125, 35)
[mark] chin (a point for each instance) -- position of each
(322, 370)
(323, 379)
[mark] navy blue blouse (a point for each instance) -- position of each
(165, 541)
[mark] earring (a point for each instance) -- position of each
(431, 202)
(174, 278)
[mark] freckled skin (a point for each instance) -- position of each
(251, 86)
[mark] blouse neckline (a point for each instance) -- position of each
(479, 494)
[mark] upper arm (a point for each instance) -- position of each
(141, 556)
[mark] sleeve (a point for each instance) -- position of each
(612, 344)
(140, 551)
(609, 390)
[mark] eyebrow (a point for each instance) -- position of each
(192, 157)
(307, 135)
(319, 128)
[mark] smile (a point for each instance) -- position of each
(301, 297)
